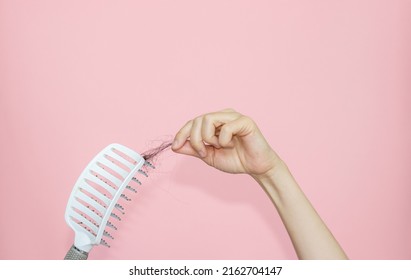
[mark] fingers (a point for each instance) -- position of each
(215, 129)
(187, 149)
(228, 110)
(196, 139)
(240, 127)
(182, 136)
(210, 130)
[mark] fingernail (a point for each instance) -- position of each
(202, 153)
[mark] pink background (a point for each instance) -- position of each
(328, 82)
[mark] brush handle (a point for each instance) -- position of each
(76, 254)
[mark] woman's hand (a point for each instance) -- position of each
(233, 143)
(228, 141)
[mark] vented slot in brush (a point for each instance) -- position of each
(87, 213)
(83, 225)
(106, 177)
(120, 174)
(100, 179)
(126, 167)
(85, 220)
(91, 201)
(99, 215)
(123, 156)
(96, 196)
(107, 192)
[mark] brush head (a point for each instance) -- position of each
(94, 200)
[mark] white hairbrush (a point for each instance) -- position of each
(94, 199)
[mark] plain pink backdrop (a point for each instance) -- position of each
(328, 82)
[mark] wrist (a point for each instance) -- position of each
(278, 182)
(272, 175)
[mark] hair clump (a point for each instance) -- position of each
(151, 154)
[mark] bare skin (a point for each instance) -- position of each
(233, 143)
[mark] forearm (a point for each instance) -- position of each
(310, 236)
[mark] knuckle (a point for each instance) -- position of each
(226, 129)
(225, 134)
(229, 110)
(247, 120)
(187, 124)
(198, 119)
(244, 118)
(207, 119)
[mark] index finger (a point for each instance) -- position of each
(182, 135)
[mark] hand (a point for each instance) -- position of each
(228, 141)
(233, 143)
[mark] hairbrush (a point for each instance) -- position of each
(94, 201)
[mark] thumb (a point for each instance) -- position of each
(187, 149)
